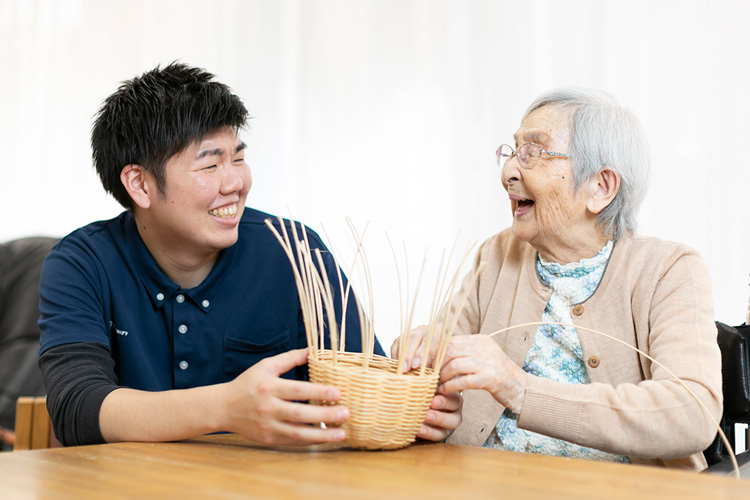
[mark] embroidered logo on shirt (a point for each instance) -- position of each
(124, 333)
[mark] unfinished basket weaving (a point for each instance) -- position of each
(386, 406)
(387, 409)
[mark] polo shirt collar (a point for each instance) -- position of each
(160, 288)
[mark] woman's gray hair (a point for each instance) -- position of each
(603, 133)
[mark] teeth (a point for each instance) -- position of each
(224, 211)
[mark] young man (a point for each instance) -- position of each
(180, 316)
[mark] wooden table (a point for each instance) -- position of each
(230, 467)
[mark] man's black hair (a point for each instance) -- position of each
(151, 118)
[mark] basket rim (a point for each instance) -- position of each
(347, 360)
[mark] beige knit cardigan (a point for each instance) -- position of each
(654, 295)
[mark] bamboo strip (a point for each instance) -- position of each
(387, 406)
(286, 245)
(368, 345)
(328, 300)
(442, 273)
(454, 319)
(444, 336)
(407, 328)
(344, 295)
(400, 294)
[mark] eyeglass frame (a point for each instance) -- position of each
(514, 152)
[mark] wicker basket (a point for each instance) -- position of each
(386, 409)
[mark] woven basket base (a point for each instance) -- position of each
(386, 410)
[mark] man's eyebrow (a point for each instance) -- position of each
(218, 151)
(209, 152)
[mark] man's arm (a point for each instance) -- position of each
(77, 378)
(88, 407)
(258, 404)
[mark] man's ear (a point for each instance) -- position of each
(138, 184)
(604, 187)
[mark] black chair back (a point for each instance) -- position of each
(734, 343)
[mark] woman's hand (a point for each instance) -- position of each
(443, 417)
(477, 362)
(415, 347)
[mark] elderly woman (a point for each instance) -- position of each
(572, 263)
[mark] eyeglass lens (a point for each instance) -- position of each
(528, 154)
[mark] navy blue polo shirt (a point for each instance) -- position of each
(101, 284)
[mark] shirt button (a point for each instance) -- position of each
(205, 303)
(594, 361)
(159, 296)
(183, 365)
(578, 310)
(182, 329)
(180, 299)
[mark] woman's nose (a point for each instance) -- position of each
(511, 171)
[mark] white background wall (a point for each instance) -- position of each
(389, 111)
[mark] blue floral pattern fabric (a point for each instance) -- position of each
(556, 353)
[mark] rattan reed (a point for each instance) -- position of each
(386, 409)
(386, 406)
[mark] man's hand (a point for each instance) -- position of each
(265, 408)
(443, 417)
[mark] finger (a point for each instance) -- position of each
(394, 348)
(282, 363)
(306, 434)
(416, 336)
(464, 346)
(428, 351)
(448, 420)
(414, 342)
(431, 433)
(457, 367)
(311, 414)
(447, 402)
(416, 356)
(291, 434)
(298, 390)
(462, 383)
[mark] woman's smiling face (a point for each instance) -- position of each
(547, 212)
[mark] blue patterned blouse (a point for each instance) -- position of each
(556, 354)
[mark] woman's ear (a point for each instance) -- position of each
(604, 187)
(136, 182)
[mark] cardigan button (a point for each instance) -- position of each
(577, 310)
(594, 361)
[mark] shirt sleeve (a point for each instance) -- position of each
(77, 378)
(72, 297)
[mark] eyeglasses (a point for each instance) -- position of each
(528, 154)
